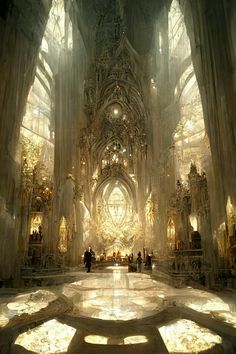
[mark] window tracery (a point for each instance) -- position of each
(117, 226)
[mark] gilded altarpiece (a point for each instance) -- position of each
(117, 227)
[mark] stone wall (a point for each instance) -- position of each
(212, 36)
(22, 25)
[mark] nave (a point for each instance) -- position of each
(113, 311)
(117, 133)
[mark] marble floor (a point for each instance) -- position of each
(113, 311)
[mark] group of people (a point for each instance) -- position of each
(89, 255)
(137, 266)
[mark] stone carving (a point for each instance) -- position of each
(198, 190)
(27, 177)
(89, 97)
(78, 192)
(189, 198)
(109, 34)
(42, 189)
(150, 211)
(116, 133)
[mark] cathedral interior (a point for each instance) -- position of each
(118, 134)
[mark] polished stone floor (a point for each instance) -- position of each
(113, 311)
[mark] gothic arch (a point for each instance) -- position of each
(124, 179)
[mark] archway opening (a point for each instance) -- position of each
(117, 227)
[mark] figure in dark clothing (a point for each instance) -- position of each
(88, 260)
(139, 262)
(148, 262)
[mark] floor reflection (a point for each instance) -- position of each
(115, 296)
(135, 340)
(51, 337)
(184, 336)
(211, 304)
(24, 304)
(95, 339)
(120, 296)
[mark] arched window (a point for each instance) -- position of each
(62, 244)
(171, 232)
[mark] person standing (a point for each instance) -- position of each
(139, 262)
(88, 260)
